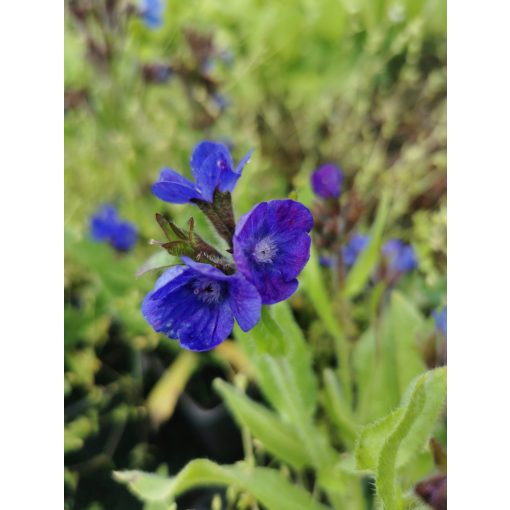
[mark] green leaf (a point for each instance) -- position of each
(146, 486)
(360, 273)
(278, 326)
(386, 359)
(371, 440)
(170, 229)
(283, 381)
(338, 408)
(268, 336)
(298, 354)
(115, 272)
(386, 482)
(314, 287)
(278, 437)
(418, 436)
(159, 260)
(179, 248)
(266, 485)
(389, 444)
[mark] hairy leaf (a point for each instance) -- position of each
(266, 485)
(389, 444)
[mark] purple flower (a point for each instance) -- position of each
(357, 243)
(212, 167)
(327, 181)
(440, 320)
(106, 226)
(272, 245)
(152, 12)
(197, 305)
(400, 256)
(221, 101)
(326, 261)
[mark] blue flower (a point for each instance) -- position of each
(212, 167)
(326, 261)
(272, 245)
(327, 181)
(440, 319)
(400, 256)
(357, 243)
(106, 226)
(152, 12)
(221, 101)
(197, 304)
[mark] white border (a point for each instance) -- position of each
(31, 212)
(31, 205)
(478, 253)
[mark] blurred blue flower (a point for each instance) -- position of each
(197, 304)
(212, 167)
(272, 245)
(326, 261)
(157, 72)
(106, 226)
(221, 101)
(208, 65)
(440, 319)
(152, 12)
(227, 56)
(401, 257)
(327, 181)
(357, 243)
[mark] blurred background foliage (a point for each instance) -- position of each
(356, 82)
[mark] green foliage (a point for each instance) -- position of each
(391, 442)
(266, 485)
(365, 264)
(387, 358)
(277, 436)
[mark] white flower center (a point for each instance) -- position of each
(208, 292)
(265, 250)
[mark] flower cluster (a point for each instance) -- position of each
(152, 12)
(440, 320)
(198, 302)
(327, 181)
(336, 219)
(106, 226)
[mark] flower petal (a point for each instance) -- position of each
(209, 161)
(228, 178)
(327, 181)
(272, 245)
(208, 329)
(174, 188)
(245, 302)
(289, 216)
(124, 236)
(273, 288)
(102, 221)
(243, 162)
(294, 255)
(177, 309)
